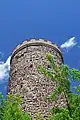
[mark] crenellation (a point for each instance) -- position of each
(35, 42)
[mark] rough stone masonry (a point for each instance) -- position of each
(27, 82)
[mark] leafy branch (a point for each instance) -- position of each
(63, 75)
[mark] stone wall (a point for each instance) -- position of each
(27, 82)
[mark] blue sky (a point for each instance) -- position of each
(55, 20)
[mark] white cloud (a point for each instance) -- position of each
(4, 69)
(70, 43)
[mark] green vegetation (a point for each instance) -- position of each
(10, 108)
(63, 75)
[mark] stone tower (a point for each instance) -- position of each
(27, 82)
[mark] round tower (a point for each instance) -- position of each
(27, 82)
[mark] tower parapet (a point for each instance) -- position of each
(35, 42)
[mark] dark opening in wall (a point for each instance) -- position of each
(48, 67)
(31, 65)
(21, 86)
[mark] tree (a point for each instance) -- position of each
(63, 75)
(10, 108)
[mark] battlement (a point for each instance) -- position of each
(36, 42)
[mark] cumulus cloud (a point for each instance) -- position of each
(70, 43)
(4, 69)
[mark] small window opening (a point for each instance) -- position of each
(49, 67)
(31, 66)
(21, 86)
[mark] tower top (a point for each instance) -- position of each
(36, 42)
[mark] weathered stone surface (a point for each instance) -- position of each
(27, 82)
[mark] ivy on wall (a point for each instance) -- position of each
(63, 75)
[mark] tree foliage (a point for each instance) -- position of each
(63, 75)
(10, 108)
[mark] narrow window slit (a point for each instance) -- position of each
(31, 66)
